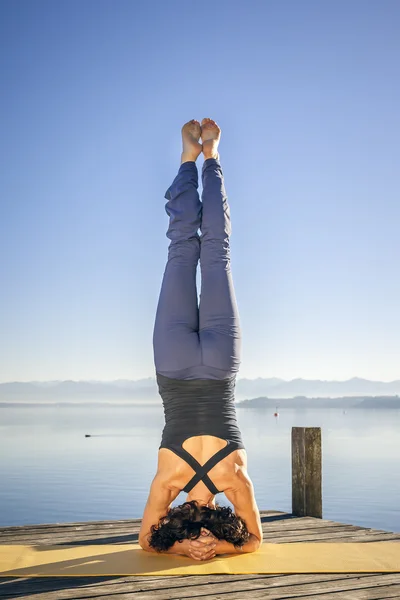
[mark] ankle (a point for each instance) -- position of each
(185, 157)
(208, 155)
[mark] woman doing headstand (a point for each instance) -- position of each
(197, 357)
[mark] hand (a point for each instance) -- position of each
(201, 549)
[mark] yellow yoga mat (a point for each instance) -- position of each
(130, 559)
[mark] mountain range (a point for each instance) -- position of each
(249, 392)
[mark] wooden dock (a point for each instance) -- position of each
(303, 524)
(278, 527)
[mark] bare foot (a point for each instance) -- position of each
(191, 132)
(210, 135)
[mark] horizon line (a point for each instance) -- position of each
(154, 378)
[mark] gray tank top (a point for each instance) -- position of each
(199, 407)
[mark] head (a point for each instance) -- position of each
(187, 521)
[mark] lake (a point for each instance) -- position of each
(51, 473)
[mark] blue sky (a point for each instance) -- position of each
(94, 94)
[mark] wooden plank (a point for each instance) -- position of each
(270, 537)
(313, 536)
(377, 593)
(294, 524)
(255, 590)
(211, 586)
(235, 589)
(128, 536)
(66, 525)
(276, 535)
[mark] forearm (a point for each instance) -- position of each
(177, 548)
(224, 547)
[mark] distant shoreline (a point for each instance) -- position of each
(298, 403)
(72, 404)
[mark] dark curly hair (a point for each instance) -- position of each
(187, 519)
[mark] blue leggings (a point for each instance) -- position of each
(191, 341)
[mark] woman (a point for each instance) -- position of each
(197, 357)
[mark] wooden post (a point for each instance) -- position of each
(306, 472)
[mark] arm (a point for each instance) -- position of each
(177, 548)
(157, 506)
(224, 547)
(245, 506)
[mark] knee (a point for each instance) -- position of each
(214, 251)
(184, 251)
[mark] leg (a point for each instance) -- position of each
(219, 323)
(175, 338)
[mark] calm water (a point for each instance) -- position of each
(51, 473)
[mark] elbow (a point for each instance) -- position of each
(257, 543)
(143, 543)
(252, 545)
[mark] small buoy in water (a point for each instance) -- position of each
(276, 414)
(87, 434)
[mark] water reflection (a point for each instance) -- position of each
(50, 472)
